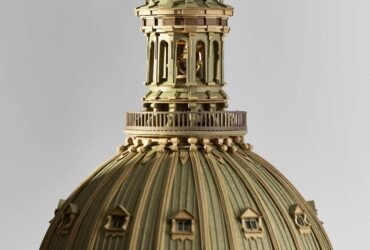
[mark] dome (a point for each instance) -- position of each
(218, 188)
(186, 179)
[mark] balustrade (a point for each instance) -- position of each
(187, 121)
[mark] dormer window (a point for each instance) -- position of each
(300, 219)
(251, 223)
(183, 226)
(117, 222)
(69, 214)
(66, 220)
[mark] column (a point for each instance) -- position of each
(171, 60)
(210, 61)
(156, 77)
(190, 71)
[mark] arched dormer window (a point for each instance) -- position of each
(216, 62)
(69, 214)
(117, 222)
(251, 223)
(200, 61)
(300, 219)
(163, 61)
(183, 226)
(181, 59)
(151, 63)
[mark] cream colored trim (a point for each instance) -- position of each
(135, 231)
(110, 230)
(131, 161)
(51, 231)
(178, 235)
(318, 229)
(201, 200)
(256, 198)
(167, 193)
(209, 12)
(186, 29)
(205, 133)
(225, 203)
(280, 207)
(250, 214)
(68, 218)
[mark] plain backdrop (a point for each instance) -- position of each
(69, 69)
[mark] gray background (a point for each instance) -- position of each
(70, 69)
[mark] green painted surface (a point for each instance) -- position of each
(183, 195)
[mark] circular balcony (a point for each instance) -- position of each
(202, 123)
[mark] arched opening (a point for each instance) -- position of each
(200, 60)
(182, 58)
(216, 61)
(151, 63)
(163, 61)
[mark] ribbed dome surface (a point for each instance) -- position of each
(215, 186)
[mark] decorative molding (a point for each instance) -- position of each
(69, 214)
(300, 219)
(183, 226)
(251, 223)
(117, 222)
(185, 144)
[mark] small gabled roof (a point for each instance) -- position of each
(295, 209)
(313, 205)
(61, 203)
(249, 213)
(119, 210)
(71, 208)
(184, 214)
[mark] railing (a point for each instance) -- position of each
(187, 121)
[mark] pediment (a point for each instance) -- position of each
(69, 209)
(119, 210)
(249, 213)
(61, 203)
(295, 209)
(184, 215)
